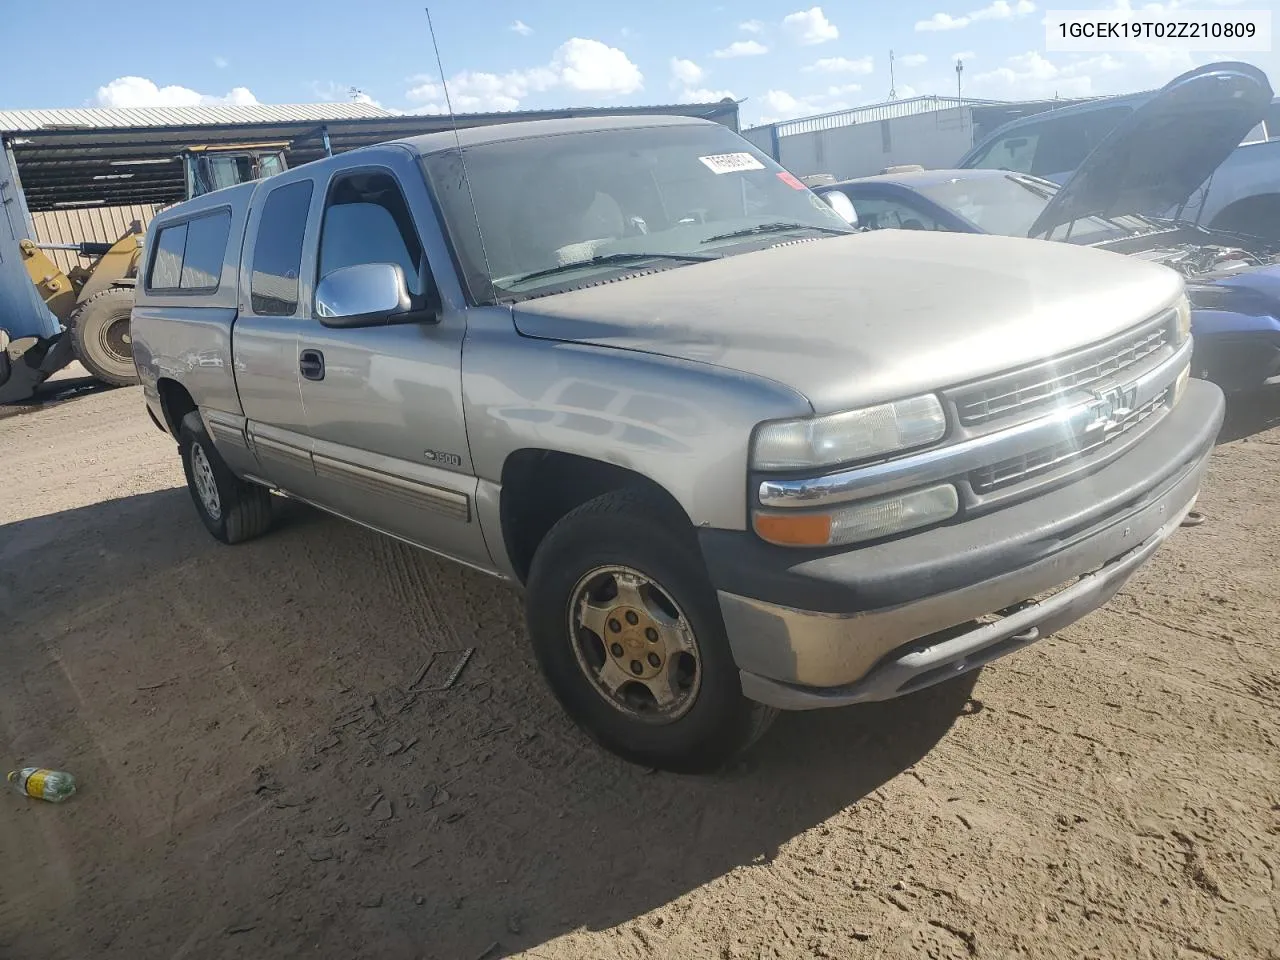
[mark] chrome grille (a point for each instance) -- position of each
(1023, 391)
(1011, 471)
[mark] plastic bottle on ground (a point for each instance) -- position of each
(52, 785)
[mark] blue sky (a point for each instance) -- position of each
(787, 58)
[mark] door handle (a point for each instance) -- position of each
(311, 364)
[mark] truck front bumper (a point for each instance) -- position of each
(894, 617)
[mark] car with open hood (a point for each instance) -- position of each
(1200, 110)
(1148, 161)
(740, 456)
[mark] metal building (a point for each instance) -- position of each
(69, 176)
(931, 131)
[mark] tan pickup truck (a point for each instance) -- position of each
(740, 456)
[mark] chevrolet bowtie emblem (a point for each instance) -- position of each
(1109, 408)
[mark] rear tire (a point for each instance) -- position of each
(233, 510)
(625, 564)
(100, 336)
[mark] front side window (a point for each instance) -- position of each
(1014, 152)
(1053, 147)
(277, 251)
(554, 212)
(366, 220)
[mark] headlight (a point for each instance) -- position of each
(853, 435)
(864, 520)
(1180, 385)
(1183, 310)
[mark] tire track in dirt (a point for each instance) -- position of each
(414, 592)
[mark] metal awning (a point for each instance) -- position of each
(79, 165)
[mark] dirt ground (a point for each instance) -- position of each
(258, 781)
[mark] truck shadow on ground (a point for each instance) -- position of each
(270, 766)
(53, 392)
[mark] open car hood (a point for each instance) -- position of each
(1156, 157)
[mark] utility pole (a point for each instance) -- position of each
(893, 90)
(959, 71)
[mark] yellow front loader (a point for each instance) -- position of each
(92, 303)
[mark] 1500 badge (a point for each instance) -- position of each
(442, 458)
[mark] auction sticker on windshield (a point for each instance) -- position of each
(731, 162)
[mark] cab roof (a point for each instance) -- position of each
(428, 143)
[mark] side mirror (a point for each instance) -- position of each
(362, 295)
(841, 204)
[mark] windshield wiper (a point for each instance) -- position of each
(605, 259)
(780, 227)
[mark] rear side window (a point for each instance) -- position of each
(277, 251)
(166, 267)
(189, 255)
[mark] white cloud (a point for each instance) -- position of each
(685, 77)
(780, 105)
(686, 71)
(1003, 10)
(862, 65)
(590, 66)
(964, 55)
(741, 48)
(783, 106)
(141, 92)
(582, 66)
(996, 10)
(913, 60)
(221, 62)
(810, 26)
(522, 28)
(906, 92)
(752, 26)
(1032, 74)
(942, 21)
(703, 95)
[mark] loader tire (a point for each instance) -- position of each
(100, 336)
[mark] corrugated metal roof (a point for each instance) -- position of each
(888, 110)
(61, 167)
(15, 121)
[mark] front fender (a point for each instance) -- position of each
(684, 425)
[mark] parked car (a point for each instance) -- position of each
(1233, 279)
(739, 456)
(1241, 193)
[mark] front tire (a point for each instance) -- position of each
(101, 338)
(626, 627)
(231, 509)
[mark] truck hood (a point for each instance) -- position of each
(848, 321)
(1157, 156)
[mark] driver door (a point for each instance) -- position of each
(384, 403)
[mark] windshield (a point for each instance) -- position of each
(1009, 206)
(562, 211)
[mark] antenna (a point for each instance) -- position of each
(893, 91)
(959, 71)
(462, 160)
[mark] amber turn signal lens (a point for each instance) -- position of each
(794, 530)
